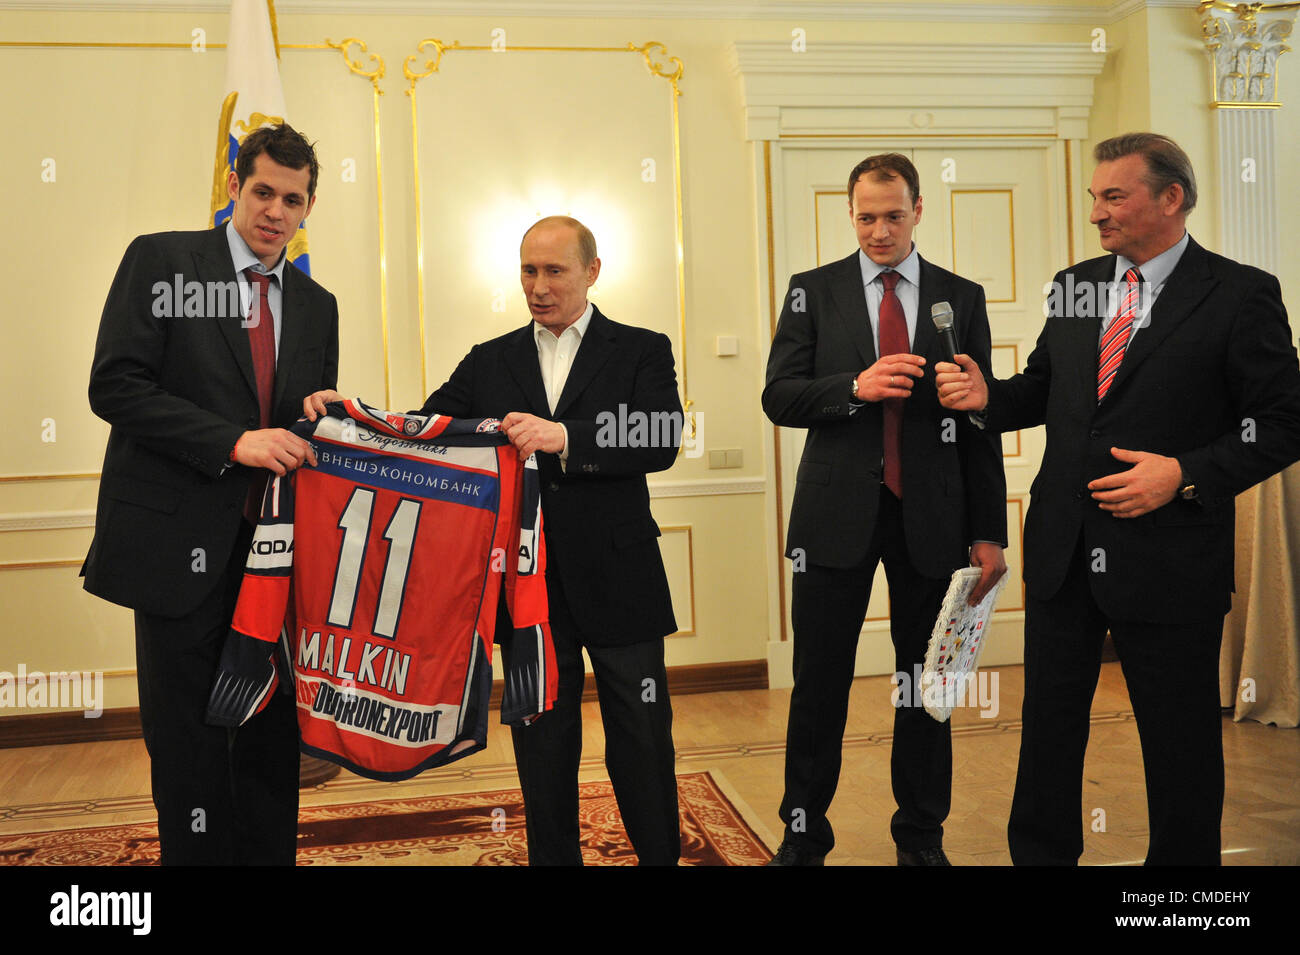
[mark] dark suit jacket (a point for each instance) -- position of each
(178, 392)
(954, 488)
(1217, 351)
(601, 541)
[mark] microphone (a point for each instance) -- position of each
(941, 313)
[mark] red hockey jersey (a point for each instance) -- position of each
(395, 548)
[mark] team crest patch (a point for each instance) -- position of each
(402, 423)
(489, 424)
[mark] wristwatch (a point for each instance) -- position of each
(853, 389)
(1186, 489)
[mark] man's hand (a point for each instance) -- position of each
(989, 558)
(890, 377)
(530, 433)
(961, 386)
(275, 449)
(313, 406)
(1152, 482)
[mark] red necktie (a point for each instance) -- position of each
(1115, 341)
(261, 339)
(893, 341)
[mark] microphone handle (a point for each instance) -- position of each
(948, 342)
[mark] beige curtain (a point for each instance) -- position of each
(1259, 667)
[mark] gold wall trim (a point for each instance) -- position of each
(1011, 233)
(412, 77)
(870, 137)
(1015, 367)
(690, 572)
(275, 26)
(1232, 7)
(817, 219)
(41, 564)
(35, 676)
(115, 45)
(70, 476)
(374, 74)
(1069, 201)
(660, 64)
(80, 45)
(1020, 534)
(776, 431)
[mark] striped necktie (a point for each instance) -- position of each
(1115, 341)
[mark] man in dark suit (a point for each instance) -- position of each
(564, 387)
(885, 475)
(1178, 392)
(198, 396)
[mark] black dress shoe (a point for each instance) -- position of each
(929, 856)
(790, 854)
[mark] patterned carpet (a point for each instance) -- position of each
(483, 828)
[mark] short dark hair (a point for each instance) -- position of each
(884, 167)
(284, 145)
(586, 241)
(1166, 162)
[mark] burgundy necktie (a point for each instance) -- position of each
(893, 341)
(261, 339)
(1115, 341)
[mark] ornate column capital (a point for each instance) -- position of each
(1245, 40)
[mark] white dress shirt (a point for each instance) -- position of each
(1155, 271)
(908, 291)
(555, 356)
(244, 258)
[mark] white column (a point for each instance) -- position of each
(1247, 187)
(1245, 43)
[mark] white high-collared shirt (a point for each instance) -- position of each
(555, 355)
(908, 291)
(244, 258)
(1155, 272)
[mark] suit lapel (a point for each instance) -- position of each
(850, 299)
(293, 321)
(934, 288)
(1081, 324)
(212, 263)
(596, 348)
(521, 360)
(1185, 288)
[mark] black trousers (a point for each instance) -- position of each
(828, 607)
(1172, 672)
(224, 796)
(632, 686)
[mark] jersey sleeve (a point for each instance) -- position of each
(531, 677)
(248, 674)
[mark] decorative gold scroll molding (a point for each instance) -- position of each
(1244, 41)
(375, 74)
(659, 63)
(430, 67)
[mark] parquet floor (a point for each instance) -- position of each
(740, 737)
